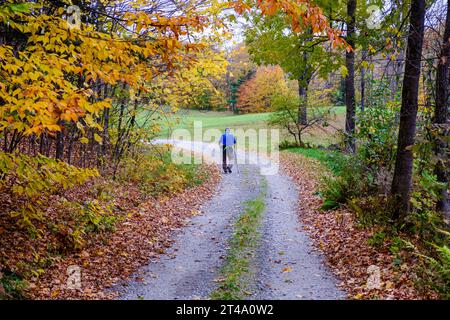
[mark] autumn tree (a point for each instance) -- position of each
(255, 95)
(77, 83)
(240, 69)
(301, 55)
(84, 60)
(198, 85)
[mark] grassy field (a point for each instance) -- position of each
(184, 119)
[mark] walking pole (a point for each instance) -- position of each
(235, 159)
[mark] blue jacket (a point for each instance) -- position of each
(227, 139)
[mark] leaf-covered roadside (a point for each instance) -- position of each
(141, 228)
(350, 249)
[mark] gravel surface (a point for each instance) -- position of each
(188, 269)
(287, 266)
(284, 265)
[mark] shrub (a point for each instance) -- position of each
(434, 270)
(33, 180)
(12, 286)
(91, 216)
(377, 140)
(286, 144)
(377, 239)
(155, 173)
(442, 266)
(348, 183)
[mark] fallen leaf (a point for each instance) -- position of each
(287, 269)
(388, 285)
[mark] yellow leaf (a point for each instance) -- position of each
(389, 285)
(55, 293)
(53, 127)
(98, 138)
(80, 126)
(344, 71)
(84, 140)
(16, 92)
(33, 75)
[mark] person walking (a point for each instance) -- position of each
(227, 142)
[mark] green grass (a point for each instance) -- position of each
(212, 120)
(345, 184)
(333, 160)
(13, 285)
(184, 119)
(233, 285)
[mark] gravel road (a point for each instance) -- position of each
(284, 265)
(287, 266)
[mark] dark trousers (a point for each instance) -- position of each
(227, 157)
(224, 158)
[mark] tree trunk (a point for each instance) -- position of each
(441, 116)
(69, 152)
(441, 111)
(59, 144)
(350, 78)
(401, 183)
(363, 80)
(303, 93)
(303, 82)
(105, 138)
(42, 143)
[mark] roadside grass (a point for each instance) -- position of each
(334, 188)
(333, 160)
(233, 283)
